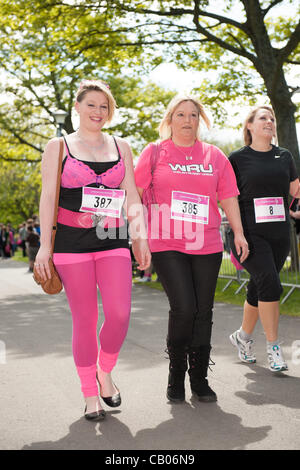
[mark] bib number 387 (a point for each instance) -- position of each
(190, 207)
(107, 202)
(269, 209)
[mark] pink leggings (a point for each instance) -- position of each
(80, 274)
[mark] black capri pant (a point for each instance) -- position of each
(265, 261)
(189, 282)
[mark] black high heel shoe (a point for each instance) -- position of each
(95, 415)
(113, 401)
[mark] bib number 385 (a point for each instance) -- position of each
(190, 207)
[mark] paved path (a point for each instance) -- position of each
(41, 406)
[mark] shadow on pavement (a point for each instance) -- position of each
(36, 325)
(268, 388)
(39, 324)
(193, 426)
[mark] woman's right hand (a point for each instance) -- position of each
(295, 215)
(42, 263)
(142, 254)
(241, 246)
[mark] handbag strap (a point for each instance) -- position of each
(153, 161)
(60, 159)
(154, 157)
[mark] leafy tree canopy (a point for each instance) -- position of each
(48, 46)
(43, 67)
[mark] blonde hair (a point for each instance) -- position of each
(250, 118)
(165, 130)
(97, 85)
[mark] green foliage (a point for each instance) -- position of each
(42, 68)
(227, 147)
(140, 110)
(48, 46)
(59, 47)
(20, 186)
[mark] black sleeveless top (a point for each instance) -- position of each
(74, 177)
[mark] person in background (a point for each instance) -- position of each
(23, 237)
(36, 224)
(30, 223)
(33, 241)
(295, 214)
(12, 239)
(147, 275)
(2, 241)
(7, 241)
(266, 175)
(190, 177)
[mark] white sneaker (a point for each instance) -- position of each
(145, 279)
(245, 348)
(275, 358)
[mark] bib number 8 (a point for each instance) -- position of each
(271, 210)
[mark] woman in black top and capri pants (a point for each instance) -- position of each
(266, 175)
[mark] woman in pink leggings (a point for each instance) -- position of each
(91, 245)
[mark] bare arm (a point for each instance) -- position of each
(140, 191)
(232, 211)
(134, 211)
(49, 170)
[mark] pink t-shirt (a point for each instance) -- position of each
(186, 217)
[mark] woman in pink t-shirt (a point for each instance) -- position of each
(187, 178)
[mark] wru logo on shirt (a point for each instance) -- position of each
(194, 168)
(162, 227)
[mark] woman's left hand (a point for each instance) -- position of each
(241, 246)
(142, 254)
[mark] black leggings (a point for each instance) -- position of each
(190, 283)
(265, 261)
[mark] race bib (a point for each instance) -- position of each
(190, 207)
(107, 202)
(269, 209)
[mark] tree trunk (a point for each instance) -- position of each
(294, 250)
(68, 126)
(285, 110)
(287, 137)
(269, 65)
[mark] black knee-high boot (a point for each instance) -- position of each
(177, 370)
(198, 365)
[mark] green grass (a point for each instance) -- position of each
(290, 307)
(18, 257)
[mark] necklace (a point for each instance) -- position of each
(89, 145)
(187, 157)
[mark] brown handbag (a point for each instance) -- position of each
(54, 284)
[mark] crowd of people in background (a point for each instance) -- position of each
(25, 237)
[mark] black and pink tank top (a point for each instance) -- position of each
(77, 174)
